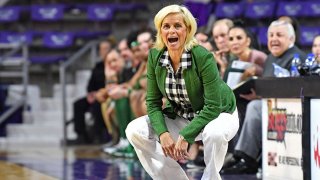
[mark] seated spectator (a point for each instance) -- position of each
(220, 31)
(316, 48)
(281, 39)
(134, 89)
(89, 103)
(248, 62)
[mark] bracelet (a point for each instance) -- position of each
(129, 91)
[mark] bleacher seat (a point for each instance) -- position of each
(263, 35)
(294, 9)
(229, 10)
(47, 12)
(58, 39)
(307, 35)
(15, 37)
(201, 11)
(312, 8)
(259, 10)
(9, 13)
(100, 12)
(54, 40)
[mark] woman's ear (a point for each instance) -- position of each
(248, 41)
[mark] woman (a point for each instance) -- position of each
(316, 48)
(200, 105)
(249, 62)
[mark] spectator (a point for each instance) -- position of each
(220, 31)
(134, 89)
(281, 39)
(250, 60)
(316, 48)
(89, 103)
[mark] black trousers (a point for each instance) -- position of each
(80, 107)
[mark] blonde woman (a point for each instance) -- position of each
(200, 105)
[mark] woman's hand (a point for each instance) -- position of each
(249, 72)
(101, 95)
(181, 149)
(117, 92)
(223, 63)
(167, 144)
(250, 96)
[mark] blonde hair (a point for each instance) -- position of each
(189, 21)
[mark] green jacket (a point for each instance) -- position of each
(208, 94)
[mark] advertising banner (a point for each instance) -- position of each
(282, 139)
(315, 138)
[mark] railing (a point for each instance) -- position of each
(24, 74)
(62, 70)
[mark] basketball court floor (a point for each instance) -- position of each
(77, 163)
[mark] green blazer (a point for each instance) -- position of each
(208, 94)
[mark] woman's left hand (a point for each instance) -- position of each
(181, 149)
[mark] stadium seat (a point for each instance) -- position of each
(307, 34)
(201, 11)
(47, 12)
(100, 12)
(58, 39)
(259, 10)
(14, 37)
(54, 41)
(229, 10)
(263, 36)
(9, 13)
(294, 9)
(312, 8)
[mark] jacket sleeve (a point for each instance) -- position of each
(218, 97)
(154, 97)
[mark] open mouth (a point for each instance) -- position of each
(172, 40)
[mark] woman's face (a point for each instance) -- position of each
(174, 31)
(238, 41)
(114, 61)
(316, 47)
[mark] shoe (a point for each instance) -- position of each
(240, 168)
(127, 152)
(230, 161)
(122, 144)
(193, 165)
(80, 140)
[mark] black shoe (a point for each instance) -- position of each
(240, 168)
(78, 141)
(230, 162)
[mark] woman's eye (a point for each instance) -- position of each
(165, 27)
(230, 38)
(239, 37)
(177, 26)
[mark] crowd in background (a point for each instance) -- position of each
(117, 87)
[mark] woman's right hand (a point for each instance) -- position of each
(167, 144)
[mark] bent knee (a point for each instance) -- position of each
(215, 136)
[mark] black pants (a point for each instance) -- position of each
(80, 107)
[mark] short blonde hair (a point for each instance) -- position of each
(189, 21)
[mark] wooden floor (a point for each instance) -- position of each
(79, 163)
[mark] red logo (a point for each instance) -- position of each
(316, 154)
